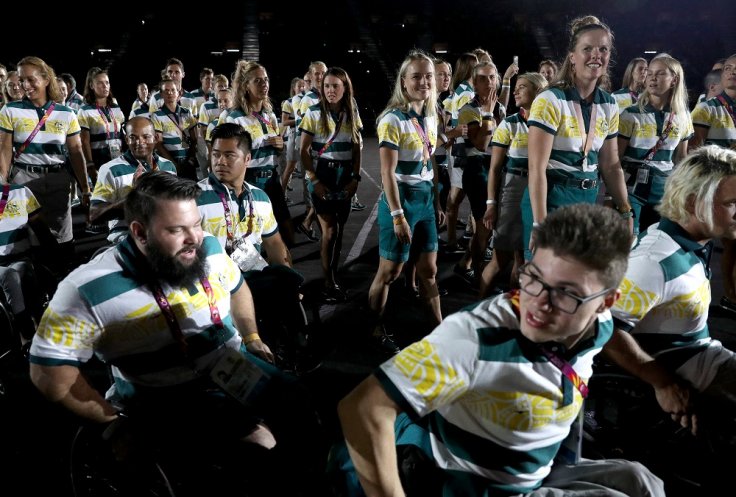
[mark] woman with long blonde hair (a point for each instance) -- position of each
(653, 136)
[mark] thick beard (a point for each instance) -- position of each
(169, 269)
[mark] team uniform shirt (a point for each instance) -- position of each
(74, 101)
(208, 112)
(553, 111)
(14, 235)
(165, 122)
(493, 404)
(296, 102)
(254, 227)
(156, 102)
(643, 130)
(260, 128)
(397, 131)
(665, 299)
(286, 108)
(715, 117)
(513, 135)
(105, 126)
(198, 97)
(115, 180)
(210, 128)
(341, 148)
(463, 94)
(49, 145)
(107, 309)
(139, 108)
(472, 113)
(625, 98)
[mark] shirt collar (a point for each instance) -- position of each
(684, 240)
(220, 187)
(130, 159)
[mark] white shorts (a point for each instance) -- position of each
(456, 174)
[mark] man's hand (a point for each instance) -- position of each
(676, 400)
(260, 349)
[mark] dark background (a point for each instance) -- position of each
(286, 36)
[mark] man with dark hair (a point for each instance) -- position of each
(487, 399)
(173, 70)
(73, 98)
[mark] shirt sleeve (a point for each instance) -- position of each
(502, 135)
(627, 124)
(309, 122)
(469, 115)
(546, 112)
(642, 289)
(389, 131)
(702, 116)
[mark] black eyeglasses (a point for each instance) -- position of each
(558, 298)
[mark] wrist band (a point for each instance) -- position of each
(491, 201)
(399, 220)
(535, 225)
(251, 337)
(506, 81)
(397, 212)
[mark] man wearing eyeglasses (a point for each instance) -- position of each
(115, 178)
(482, 405)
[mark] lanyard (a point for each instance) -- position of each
(175, 119)
(35, 131)
(662, 138)
(337, 130)
(171, 320)
(567, 370)
(264, 121)
(4, 199)
(587, 138)
(728, 108)
(229, 218)
(634, 96)
(107, 120)
(423, 136)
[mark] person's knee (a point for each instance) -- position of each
(427, 271)
(389, 275)
(636, 480)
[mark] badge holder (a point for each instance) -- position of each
(239, 377)
(247, 257)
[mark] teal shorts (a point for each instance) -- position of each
(418, 204)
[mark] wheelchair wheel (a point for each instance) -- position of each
(95, 472)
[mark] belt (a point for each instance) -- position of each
(583, 184)
(262, 174)
(52, 168)
(517, 172)
(333, 164)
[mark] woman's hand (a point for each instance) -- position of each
(402, 230)
(489, 218)
(321, 191)
(351, 188)
(275, 141)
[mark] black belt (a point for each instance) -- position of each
(517, 172)
(333, 164)
(583, 184)
(52, 168)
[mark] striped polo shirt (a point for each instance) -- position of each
(397, 132)
(494, 405)
(208, 111)
(74, 101)
(263, 156)
(625, 98)
(49, 145)
(198, 97)
(115, 180)
(14, 236)
(156, 102)
(105, 125)
(262, 225)
(139, 109)
(665, 294)
(643, 130)
(165, 122)
(341, 147)
(513, 135)
(288, 109)
(463, 94)
(713, 116)
(553, 111)
(296, 102)
(106, 308)
(472, 113)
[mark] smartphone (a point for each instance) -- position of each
(516, 60)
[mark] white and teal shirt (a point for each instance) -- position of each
(14, 235)
(139, 108)
(341, 148)
(260, 128)
(495, 407)
(473, 113)
(396, 130)
(173, 126)
(714, 116)
(208, 112)
(513, 135)
(643, 130)
(198, 97)
(104, 124)
(254, 225)
(625, 98)
(49, 145)
(106, 308)
(664, 301)
(463, 94)
(553, 111)
(114, 182)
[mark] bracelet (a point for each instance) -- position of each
(87, 194)
(491, 201)
(505, 86)
(506, 81)
(535, 225)
(251, 337)
(627, 215)
(399, 220)
(397, 212)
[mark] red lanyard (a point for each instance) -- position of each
(107, 120)
(33, 134)
(175, 120)
(634, 96)
(337, 130)
(423, 136)
(567, 370)
(728, 108)
(170, 317)
(264, 121)
(662, 138)
(229, 217)
(4, 199)
(586, 137)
